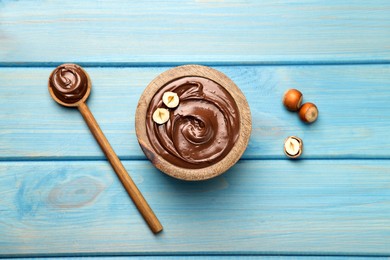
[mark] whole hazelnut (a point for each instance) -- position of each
(308, 112)
(292, 99)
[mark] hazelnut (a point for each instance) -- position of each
(293, 147)
(161, 115)
(170, 99)
(308, 112)
(292, 99)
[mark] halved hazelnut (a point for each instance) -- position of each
(170, 99)
(161, 115)
(293, 147)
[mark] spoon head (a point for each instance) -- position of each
(69, 85)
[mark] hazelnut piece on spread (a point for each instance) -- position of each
(161, 115)
(170, 99)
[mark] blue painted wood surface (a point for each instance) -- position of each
(353, 102)
(186, 257)
(246, 257)
(258, 207)
(59, 197)
(198, 31)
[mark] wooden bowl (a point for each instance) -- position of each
(228, 160)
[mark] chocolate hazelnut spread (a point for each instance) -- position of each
(69, 83)
(201, 130)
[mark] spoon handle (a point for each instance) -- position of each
(120, 170)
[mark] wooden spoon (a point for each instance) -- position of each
(70, 86)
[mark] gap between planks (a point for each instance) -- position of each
(141, 158)
(206, 63)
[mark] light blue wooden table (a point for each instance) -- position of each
(60, 197)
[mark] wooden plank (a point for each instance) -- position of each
(201, 31)
(314, 207)
(205, 257)
(353, 102)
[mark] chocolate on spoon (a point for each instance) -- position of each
(70, 85)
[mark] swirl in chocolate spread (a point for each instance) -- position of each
(69, 83)
(202, 130)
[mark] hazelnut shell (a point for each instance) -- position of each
(308, 112)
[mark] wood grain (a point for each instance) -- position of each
(314, 207)
(146, 32)
(353, 103)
